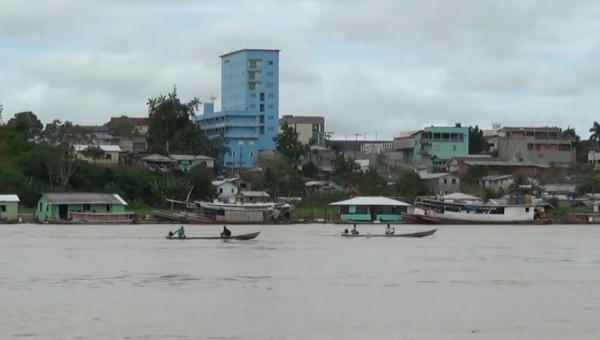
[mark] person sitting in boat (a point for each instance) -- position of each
(180, 232)
(389, 230)
(354, 231)
(170, 234)
(346, 232)
(226, 232)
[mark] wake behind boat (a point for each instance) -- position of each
(243, 237)
(419, 234)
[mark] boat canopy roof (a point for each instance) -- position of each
(371, 200)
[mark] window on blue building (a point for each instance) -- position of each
(262, 96)
(262, 107)
(271, 95)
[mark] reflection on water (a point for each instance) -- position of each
(299, 282)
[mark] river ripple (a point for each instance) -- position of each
(299, 282)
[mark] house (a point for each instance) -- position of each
(140, 123)
(535, 145)
(561, 191)
(110, 156)
(441, 182)
(62, 205)
(497, 183)
(252, 197)
(229, 187)
(186, 162)
(9, 207)
(369, 209)
(493, 166)
(159, 162)
(325, 187)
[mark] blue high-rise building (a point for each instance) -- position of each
(249, 116)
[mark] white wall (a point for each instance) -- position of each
(227, 190)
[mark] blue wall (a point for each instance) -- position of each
(249, 105)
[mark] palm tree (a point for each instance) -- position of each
(595, 132)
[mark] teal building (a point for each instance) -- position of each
(369, 209)
(434, 146)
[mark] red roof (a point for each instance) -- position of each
(136, 121)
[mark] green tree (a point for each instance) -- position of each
(168, 116)
(200, 177)
(287, 143)
(122, 127)
(29, 120)
(595, 132)
(477, 142)
(410, 185)
(93, 152)
(64, 137)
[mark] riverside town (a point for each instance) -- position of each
(185, 163)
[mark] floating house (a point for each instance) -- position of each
(83, 207)
(369, 209)
(9, 208)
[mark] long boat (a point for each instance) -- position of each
(419, 234)
(430, 211)
(238, 213)
(243, 237)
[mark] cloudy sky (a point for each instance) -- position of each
(371, 66)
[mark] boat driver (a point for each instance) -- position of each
(226, 232)
(354, 231)
(389, 230)
(180, 232)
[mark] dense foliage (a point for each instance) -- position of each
(36, 159)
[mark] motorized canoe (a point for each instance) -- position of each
(413, 235)
(243, 237)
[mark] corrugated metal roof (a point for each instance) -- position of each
(105, 148)
(254, 194)
(83, 198)
(9, 198)
(158, 158)
(371, 200)
(435, 175)
(183, 157)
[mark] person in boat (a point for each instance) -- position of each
(180, 232)
(346, 232)
(170, 234)
(226, 232)
(354, 231)
(389, 230)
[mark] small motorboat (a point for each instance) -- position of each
(412, 235)
(243, 237)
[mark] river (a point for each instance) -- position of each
(300, 282)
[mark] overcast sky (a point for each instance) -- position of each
(367, 66)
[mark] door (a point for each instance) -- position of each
(63, 211)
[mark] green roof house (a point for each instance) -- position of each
(83, 207)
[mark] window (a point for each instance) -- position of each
(454, 181)
(234, 154)
(253, 107)
(269, 73)
(526, 209)
(262, 130)
(262, 96)
(271, 106)
(251, 154)
(270, 62)
(2, 208)
(232, 190)
(262, 108)
(241, 142)
(87, 207)
(252, 95)
(108, 207)
(530, 147)
(271, 95)
(271, 117)
(220, 190)
(271, 128)
(269, 84)
(251, 142)
(445, 181)
(454, 148)
(262, 119)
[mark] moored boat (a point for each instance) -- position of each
(430, 211)
(242, 237)
(419, 234)
(240, 213)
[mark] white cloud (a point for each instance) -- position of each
(378, 65)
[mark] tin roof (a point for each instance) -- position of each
(9, 198)
(371, 200)
(83, 198)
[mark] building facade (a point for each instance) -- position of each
(532, 145)
(308, 128)
(433, 146)
(249, 116)
(9, 207)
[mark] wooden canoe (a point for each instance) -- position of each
(242, 237)
(413, 235)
